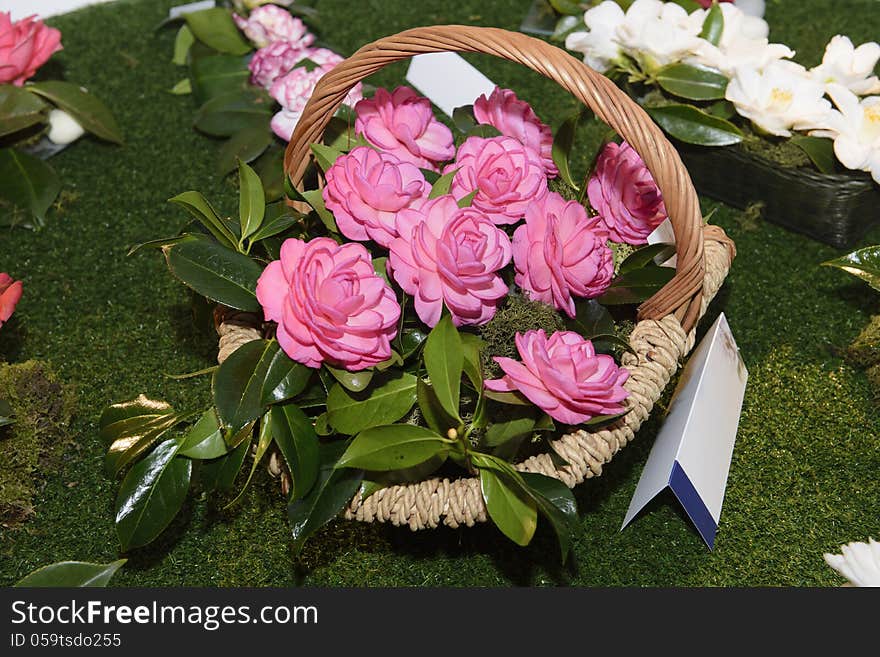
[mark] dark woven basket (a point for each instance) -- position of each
(834, 209)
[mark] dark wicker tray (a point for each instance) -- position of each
(835, 209)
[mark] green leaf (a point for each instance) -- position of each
(692, 82)
(230, 113)
(484, 131)
(437, 418)
(864, 263)
(93, 115)
(591, 318)
(463, 118)
(466, 200)
(644, 256)
(237, 385)
(410, 341)
(444, 361)
(325, 155)
(565, 26)
(130, 428)
(713, 25)
(322, 426)
(182, 88)
(563, 143)
(19, 109)
(820, 151)
(246, 145)
(636, 286)
(263, 443)
(331, 493)
(214, 28)
(270, 167)
(28, 183)
(316, 200)
(443, 184)
(69, 574)
(393, 447)
(339, 135)
(204, 440)
(218, 75)
(512, 511)
(151, 495)
(182, 43)
(354, 381)
(471, 346)
(380, 265)
(602, 420)
(693, 126)
(276, 222)
(251, 201)
(567, 7)
(285, 379)
(511, 398)
(199, 207)
(219, 474)
(350, 412)
(556, 503)
(215, 272)
(499, 433)
(296, 438)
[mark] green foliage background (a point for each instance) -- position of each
(803, 479)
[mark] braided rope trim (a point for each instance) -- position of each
(659, 345)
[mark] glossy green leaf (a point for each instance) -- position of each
(251, 201)
(514, 425)
(393, 447)
(215, 272)
(28, 183)
(214, 27)
(322, 425)
(484, 131)
(591, 318)
(182, 43)
(219, 474)
(864, 264)
(245, 145)
(567, 7)
(182, 88)
(410, 341)
(296, 438)
(636, 286)
(339, 135)
(204, 440)
(443, 184)
(466, 200)
(130, 428)
(354, 381)
(444, 361)
(384, 403)
(563, 143)
(276, 223)
(151, 495)
(218, 75)
(556, 502)
(820, 151)
(463, 118)
(263, 443)
(19, 109)
(380, 266)
(316, 200)
(332, 491)
(471, 346)
(93, 115)
(237, 385)
(285, 379)
(713, 25)
(70, 574)
(228, 114)
(436, 418)
(325, 155)
(199, 207)
(512, 511)
(692, 81)
(693, 126)
(512, 398)
(270, 167)
(644, 256)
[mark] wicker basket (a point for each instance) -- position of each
(837, 209)
(665, 332)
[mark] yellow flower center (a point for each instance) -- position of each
(781, 98)
(871, 124)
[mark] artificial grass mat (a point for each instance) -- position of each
(803, 478)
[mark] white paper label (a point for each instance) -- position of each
(180, 10)
(664, 234)
(692, 452)
(447, 80)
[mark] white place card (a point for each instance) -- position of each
(664, 234)
(447, 80)
(692, 453)
(189, 8)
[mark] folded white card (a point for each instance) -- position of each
(692, 453)
(664, 234)
(447, 80)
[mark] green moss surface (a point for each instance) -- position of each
(803, 479)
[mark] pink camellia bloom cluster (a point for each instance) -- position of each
(516, 118)
(10, 293)
(563, 376)
(275, 60)
(561, 253)
(625, 195)
(25, 46)
(450, 256)
(402, 123)
(270, 24)
(330, 304)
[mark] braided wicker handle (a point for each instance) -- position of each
(681, 296)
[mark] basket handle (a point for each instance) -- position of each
(682, 295)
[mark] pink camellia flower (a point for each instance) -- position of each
(25, 46)
(271, 62)
(10, 293)
(705, 4)
(330, 304)
(560, 253)
(506, 175)
(366, 189)
(293, 91)
(269, 24)
(450, 255)
(563, 377)
(625, 195)
(402, 123)
(516, 118)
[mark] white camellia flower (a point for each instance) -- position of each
(657, 33)
(599, 45)
(859, 562)
(751, 7)
(855, 128)
(852, 67)
(63, 128)
(743, 44)
(778, 99)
